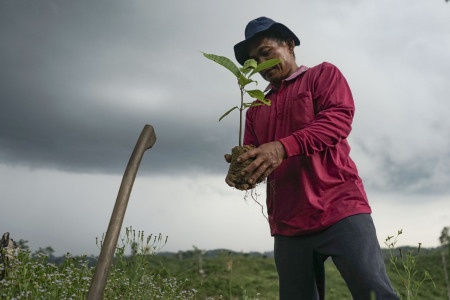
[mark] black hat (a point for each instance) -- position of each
(256, 26)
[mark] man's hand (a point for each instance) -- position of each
(230, 183)
(267, 158)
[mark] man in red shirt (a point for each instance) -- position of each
(316, 201)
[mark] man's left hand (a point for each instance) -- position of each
(267, 158)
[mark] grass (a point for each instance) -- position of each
(191, 274)
(33, 276)
(238, 275)
(430, 262)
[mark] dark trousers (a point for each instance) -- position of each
(351, 243)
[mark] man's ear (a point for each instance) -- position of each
(290, 44)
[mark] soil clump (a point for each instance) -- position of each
(235, 170)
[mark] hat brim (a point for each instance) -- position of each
(240, 49)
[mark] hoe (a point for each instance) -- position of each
(146, 140)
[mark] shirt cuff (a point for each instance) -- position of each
(291, 146)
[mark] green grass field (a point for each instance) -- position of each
(194, 274)
(256, 277)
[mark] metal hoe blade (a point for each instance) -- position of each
(146, 140)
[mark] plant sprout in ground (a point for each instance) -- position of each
(243, 75)
(405, 267)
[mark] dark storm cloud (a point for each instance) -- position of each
(67, 70)
(80, 79)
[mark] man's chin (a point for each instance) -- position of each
(272, 79)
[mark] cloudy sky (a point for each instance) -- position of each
(80, 79)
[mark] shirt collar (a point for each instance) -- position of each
(300, 70)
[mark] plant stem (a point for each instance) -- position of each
(240, 115)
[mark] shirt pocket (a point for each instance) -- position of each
(299, 110)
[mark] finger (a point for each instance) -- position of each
(262, 172)
(254, 165)
(265, 175)
(253, 169)
(257, 174)
(243, 187)
(229, 182)
(227, 158)
(246, 186)
(246, 155)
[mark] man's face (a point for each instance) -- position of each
(264, 48)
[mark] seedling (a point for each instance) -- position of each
(243, 75)
(250, 68)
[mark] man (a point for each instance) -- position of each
(316, 201)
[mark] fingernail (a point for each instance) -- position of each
(250, 180)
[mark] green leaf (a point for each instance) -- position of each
(256, 94)
(226, 114)
(246, 105)
(265, 101)
(259, 95)
(249, 65)
(243, 81)
(227, 63)
(246, 71)
(265, 65)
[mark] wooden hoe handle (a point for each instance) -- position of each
(146, 140)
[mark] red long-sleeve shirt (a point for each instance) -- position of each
(318, 183)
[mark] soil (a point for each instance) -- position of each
(234, 172)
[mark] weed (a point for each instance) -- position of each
(405, 265)
(32, 276)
